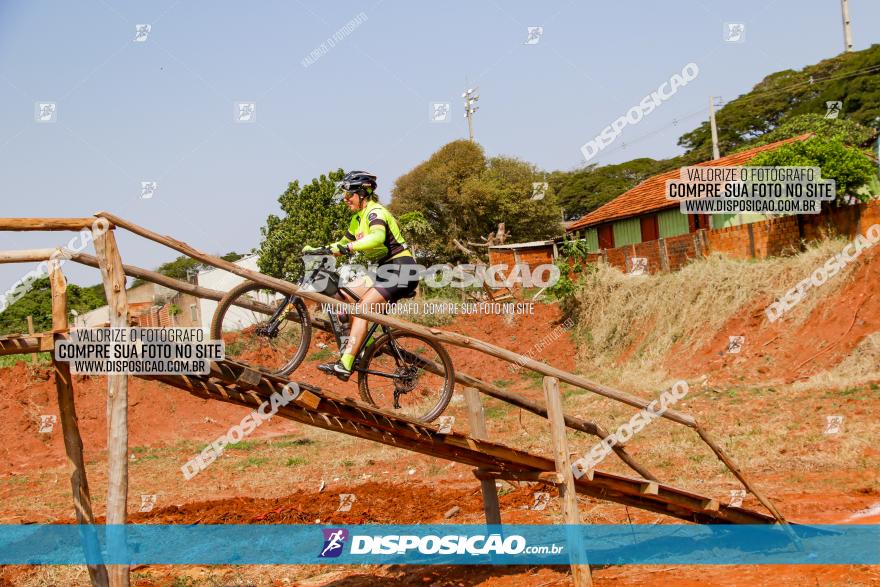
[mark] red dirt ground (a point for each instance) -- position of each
(778, 353)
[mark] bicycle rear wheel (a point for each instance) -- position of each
(242, 321)
(423, 376)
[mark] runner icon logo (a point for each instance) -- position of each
(334, 540)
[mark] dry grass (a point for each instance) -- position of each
(857, 369)
(616, 312)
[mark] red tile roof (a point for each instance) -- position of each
(650, 195)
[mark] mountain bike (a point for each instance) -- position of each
(400, 371)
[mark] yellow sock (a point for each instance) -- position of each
(347, 361)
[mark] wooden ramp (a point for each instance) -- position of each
(239, 384)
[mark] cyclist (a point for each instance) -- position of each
(374, 232)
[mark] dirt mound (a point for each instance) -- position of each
(375, 503)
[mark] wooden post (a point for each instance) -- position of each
(82, 500)
(580, 568)
(117, 402)
(30, 320)
(478, 430)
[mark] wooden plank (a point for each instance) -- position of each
(477, 422)
(649, 488)
(549, 477)
(29, 224)
(580, 567)
(19, 346)
(26, 256)
(117, 399)
(30, 322)
(369, 423)
(73, 446)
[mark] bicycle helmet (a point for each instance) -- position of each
(361, 182)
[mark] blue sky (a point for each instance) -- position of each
(163, 109)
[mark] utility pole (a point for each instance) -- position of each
(715, 153)
(470, 97)
(847, 32)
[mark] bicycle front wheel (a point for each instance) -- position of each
(411, 376)
(243, 321)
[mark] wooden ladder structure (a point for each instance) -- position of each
(242, 384)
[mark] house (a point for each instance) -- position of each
(644, 214)
(149, 305)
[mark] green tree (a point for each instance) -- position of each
(783, 95)
(463, 195)
(182, 267)
(581, 191)
(37, 302)
(848, 132)
(848, 166)
(312, 215)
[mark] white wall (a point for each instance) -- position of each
(224, 281)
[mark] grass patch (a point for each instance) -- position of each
(244, 445)
(295, 461)
(252, 462)
(320, 355)
(502, 383)
(292, 443)
(348, 463)
(11, 360)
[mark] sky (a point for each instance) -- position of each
(164, 107)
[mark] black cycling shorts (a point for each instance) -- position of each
(396, 279)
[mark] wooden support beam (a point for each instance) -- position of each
(73, 446)
(549, 477)
(117, 399)
(30, 224)
(30, 322)
(650, 488)
(26, 256)
(477, 422)
(719, 452)
(580, 567)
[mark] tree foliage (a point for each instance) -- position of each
(784, 95)
(311, 216)
(848, 166)
(37, 302)
(848, 132)
(461, 194)
(582, 191)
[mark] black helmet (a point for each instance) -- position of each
(361, 182)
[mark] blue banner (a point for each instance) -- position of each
(261, 544)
